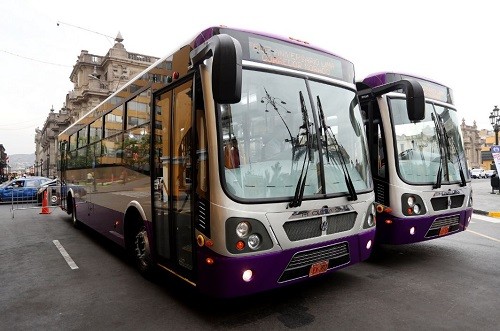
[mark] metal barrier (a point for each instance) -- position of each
(48, 199)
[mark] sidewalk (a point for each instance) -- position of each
(484, 202)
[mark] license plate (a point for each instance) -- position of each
(318, 268)
(444, 230)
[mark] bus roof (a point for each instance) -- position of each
(432, 89)
(215, 30)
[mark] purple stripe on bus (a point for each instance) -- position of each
(223, 278)
(398, 231)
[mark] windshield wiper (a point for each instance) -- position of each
(440, 143)
(447, 141)
(301, 184)
(327, 132)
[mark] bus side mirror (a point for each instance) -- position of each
(415, 98)
(226, 66)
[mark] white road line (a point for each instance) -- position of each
(486, 218)
(483, 235)
(65, 254)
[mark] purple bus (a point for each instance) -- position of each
(421, 181)
(238, 164)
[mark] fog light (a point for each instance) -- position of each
(412, 230)
(369, 244)
(247, 275)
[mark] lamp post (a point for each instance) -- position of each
(495, 122)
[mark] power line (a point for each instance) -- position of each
(79, 27)
(36, 60)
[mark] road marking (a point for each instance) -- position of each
(486, 218)
(65, 254)
(483, 235)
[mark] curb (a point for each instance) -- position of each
(494, 214)
(487, 213)
(481, 212)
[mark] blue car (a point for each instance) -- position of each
(24, 188)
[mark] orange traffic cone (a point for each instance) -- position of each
(45, 204)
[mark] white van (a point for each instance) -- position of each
(477, 173)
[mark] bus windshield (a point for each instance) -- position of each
(270, 140)
(425, 147)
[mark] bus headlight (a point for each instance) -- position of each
(254, 241)
(370, 217)
(242, 229)
(411, 201)
(246, 235)
(370, 221)
(412, 204)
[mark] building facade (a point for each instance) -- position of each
(472, 144)
(46, 146)
(94, 78)
(486, 157)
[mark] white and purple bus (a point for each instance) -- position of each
(421, 182)
(238, 164)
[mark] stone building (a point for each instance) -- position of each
(46, 146)
(95, 77)
(488, 136)
(472, 144)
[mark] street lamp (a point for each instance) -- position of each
(495, 122)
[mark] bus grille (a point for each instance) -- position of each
(441, 203)
(340, 222)
(311, 227)
(453, 222)
(301, 262)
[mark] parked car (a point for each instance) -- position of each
(490, 173)
(54, 186)
(24, 188)
(477, 173)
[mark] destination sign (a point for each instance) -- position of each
(295, 57)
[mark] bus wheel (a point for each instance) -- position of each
(142, 252)
(74, 220)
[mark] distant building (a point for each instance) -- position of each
(488, 137)
(472, 144)
(46, 146)
(94, 77)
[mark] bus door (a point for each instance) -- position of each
(172, 178)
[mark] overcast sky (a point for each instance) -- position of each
(448, 41)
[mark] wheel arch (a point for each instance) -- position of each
(134, 217)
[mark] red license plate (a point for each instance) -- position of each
(444, 230)
(318, 268)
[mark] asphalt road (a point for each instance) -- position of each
(449, 283)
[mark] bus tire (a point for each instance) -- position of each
(72, 213)
(141, 252)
